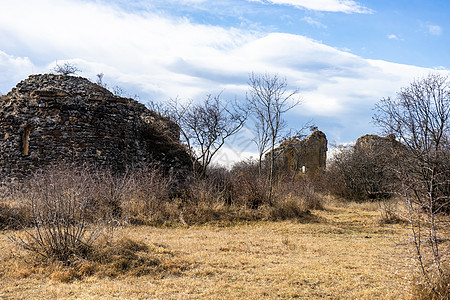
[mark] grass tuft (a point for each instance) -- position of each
(111, 258)
(437, 289)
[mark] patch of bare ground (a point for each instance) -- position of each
(343, 253)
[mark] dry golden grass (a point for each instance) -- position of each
(342, 253)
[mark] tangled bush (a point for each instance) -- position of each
(354, 174)
(60, 204)
(250, 189)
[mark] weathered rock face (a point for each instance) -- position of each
(372, 142)
(48, 119)
(311, 153)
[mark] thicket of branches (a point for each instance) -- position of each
(414, 168)
(65, 209)
(362, 174)
(419, 116)
(205, 126)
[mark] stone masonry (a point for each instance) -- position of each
(50, 119)
(308, 155)
(372, 142)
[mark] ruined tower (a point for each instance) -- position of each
(307, 156)
(50, 119)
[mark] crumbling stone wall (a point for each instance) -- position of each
(309, 155)
(373, 142)
(48, 119)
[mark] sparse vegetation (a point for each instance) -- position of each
(420, 118)
(143, 197)
(342, 251)
(337, 232)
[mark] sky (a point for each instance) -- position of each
(342, 56)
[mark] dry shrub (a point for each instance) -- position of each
(295, 199)
(390, 212)
(83, 197)
(222, 196)
(60, 205)
(142, 196)
(438, 288)
(292, 196)
(138, 196)
(311, 198)
(301, 187)
(13, 216)
(206, 199)
(123, 256)
(250, 189)
(359, 175)
(290, 207)
(243, 195)
(108, 257)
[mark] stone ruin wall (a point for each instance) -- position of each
(294, 154)
(48, 119)
(384, 148)
(373, 142)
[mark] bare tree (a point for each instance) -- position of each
(164, 109)
(206, 126)
(118, 91)
(268, 100)
(420, 118)
(66, 69)
(100, 81)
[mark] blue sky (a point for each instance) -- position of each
(342, 55)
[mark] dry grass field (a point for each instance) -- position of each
(339, 253)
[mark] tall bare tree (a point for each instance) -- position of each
(268, 99)
(205, 126)
(420, 118)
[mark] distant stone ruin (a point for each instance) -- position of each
(382, 150)
(306, 156)
(51, 119)
(372, 142)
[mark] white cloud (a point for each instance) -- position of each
(227, 156)
(13, 69)
(345, 6)
(313, 22)
(393, 37)
(434, 29)
(321, 103)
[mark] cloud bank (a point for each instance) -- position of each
(345, 6)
